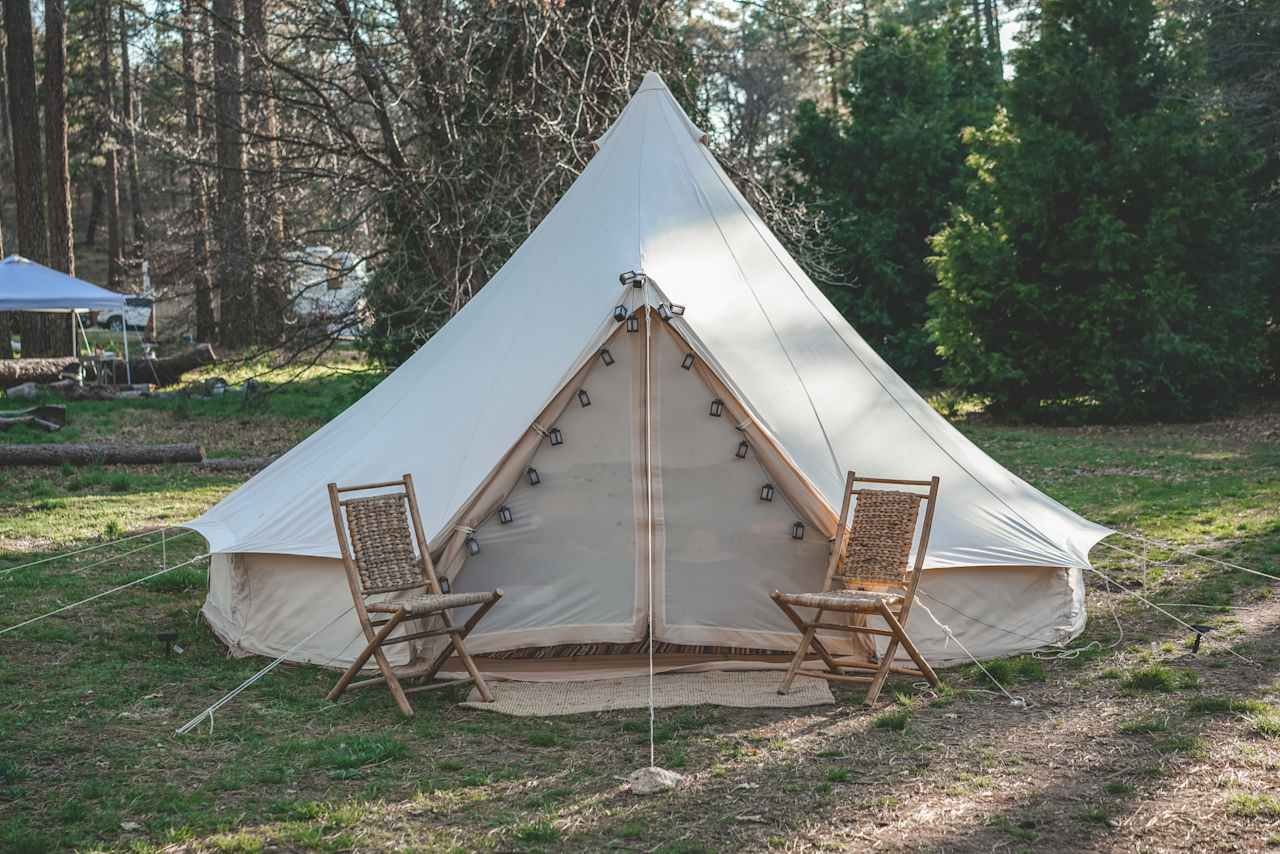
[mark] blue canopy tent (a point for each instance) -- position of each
(28, 286)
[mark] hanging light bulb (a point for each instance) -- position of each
(504, 514)
(797, 531)
(532, 474)
(687, 363)
(633, 323)
(619, 313)
(606, 356)
(556, 437)
(473, 546)
(766, 492)
(743, 447)
(717, 408)
(583, 397)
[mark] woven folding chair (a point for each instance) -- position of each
(869, 574)
(378, 553)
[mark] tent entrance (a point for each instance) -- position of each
(568, 537)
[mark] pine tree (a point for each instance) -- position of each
(1098, 262)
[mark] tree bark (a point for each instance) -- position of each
(111, 169)
(58, 183)
(197, 188)
(28, 161)
(235, 285)
(267, 217)
(127, 139)
(6, 319)
(161, 372)
(86, 455)
(24, 124)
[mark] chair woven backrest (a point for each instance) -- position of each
(878, 550)
(382, 544)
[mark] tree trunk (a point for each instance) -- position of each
(24, 123)
(28, 161)
(6, 319)
(111, 169)
(58, 183)
(993, 37)
(267, 218)
(235, 285)
(127, 140)
(160, 372)
(87, 455)
(97, 198)
(197, 188)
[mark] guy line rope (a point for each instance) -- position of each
(162, 531)
(95, 596)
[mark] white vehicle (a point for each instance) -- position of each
(327, 285)
(137, 312)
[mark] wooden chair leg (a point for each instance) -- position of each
(798, 660)
(892, 621)
(455, 645)
(374, 642)
(882, 672)
(392, 682)
(802, 627)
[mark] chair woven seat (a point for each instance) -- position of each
(843, 600)
(416, 606)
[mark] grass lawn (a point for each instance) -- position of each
(1134, 742)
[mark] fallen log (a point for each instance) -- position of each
(237, 463)
(112, 454)
(163, 371)
(47, 418)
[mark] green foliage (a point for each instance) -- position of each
(1159, 677)
(1101, 260)
(885, 170)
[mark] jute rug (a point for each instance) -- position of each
(748, 689)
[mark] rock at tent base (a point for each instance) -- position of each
(652, 780)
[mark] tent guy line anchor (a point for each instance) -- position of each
(1017, 702)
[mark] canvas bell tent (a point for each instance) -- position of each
(580, 443)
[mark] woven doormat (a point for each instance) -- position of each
(748, 689)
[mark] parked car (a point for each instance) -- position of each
(137, 311)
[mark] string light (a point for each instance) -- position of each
(688, 361)
(606, 357)
(717, 408)
(583, 397)
(797, 531)
(742, 450)
(473, 546)
(556, 437)
(633, 323)
(532, 474)
(766, 492)
(619, 313)
(504, 514)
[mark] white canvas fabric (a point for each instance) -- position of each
(1004, 557)
(28, 286)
